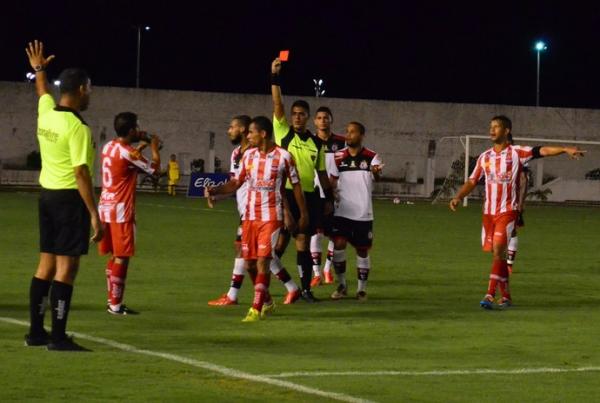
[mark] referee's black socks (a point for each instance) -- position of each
(304, 262)
(38, 299)
(60, 301)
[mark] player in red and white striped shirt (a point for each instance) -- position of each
(501, 167)
(265, 168)
(120, 164)
(238, 134)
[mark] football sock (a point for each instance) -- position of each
(495, 276)
(503, 282)
(315, 253)
(513, 245)
(38, 301)
(60, 301)
(329, 259)
(282, 274)
(260, 290)
(339, 265)
(118, 276)
(363, 266)
(236, 279)
(304, 263)
(108, 271)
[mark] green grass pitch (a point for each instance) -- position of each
(422, 320)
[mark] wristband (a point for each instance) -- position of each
(275, 80)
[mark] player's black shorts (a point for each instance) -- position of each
(358, 233)
(64, 223)
(312, 205)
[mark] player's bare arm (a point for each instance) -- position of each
(377, 170)
(155, 147)
(38, 62)
(462, 193)
(228, 188)
(278, 109)
(86, 190)
(288, 219)
(573, 152)
(301, 202)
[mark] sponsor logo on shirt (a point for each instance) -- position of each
(263, 184)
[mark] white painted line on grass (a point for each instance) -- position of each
(519, 371)
(229, 372)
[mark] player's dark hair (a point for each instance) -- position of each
(124, 122)
(361, 127)
(71, 79)
(504, 120)
(326, 110)
(264, 123)
(244, 121)
(509, 138)
(301, 104)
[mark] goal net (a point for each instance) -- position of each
(556, 179)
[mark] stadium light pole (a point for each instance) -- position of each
(139, 51)
(319, 90)
(539, 48)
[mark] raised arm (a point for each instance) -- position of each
(155, 147)
(35, 53)
(551, 151)
(278, 110)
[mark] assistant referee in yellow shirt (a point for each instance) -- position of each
(66, 205)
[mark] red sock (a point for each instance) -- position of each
(268, 298)
(117, 283)
(260, 291)
(109, 265)
(503, 283)
(495, 276)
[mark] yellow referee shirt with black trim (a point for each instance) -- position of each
(65, 143)
(305, 148)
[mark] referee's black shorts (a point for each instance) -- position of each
(324, 221)
(313, 205)
(64, 223)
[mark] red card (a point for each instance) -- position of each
(284, 55)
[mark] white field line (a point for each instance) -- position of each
(228, 372)
(519, 371)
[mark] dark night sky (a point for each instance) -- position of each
(475, 52)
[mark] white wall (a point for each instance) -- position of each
(399, 131)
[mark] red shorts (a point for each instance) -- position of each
(259, 238)
(497, 229)
(119, 239)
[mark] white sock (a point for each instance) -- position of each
(276, 266)
(339, 256)
(513, 246)
(315, 252)
(238, 270)
(363, 266)
(328, 260)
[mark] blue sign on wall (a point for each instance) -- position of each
(198, 181)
